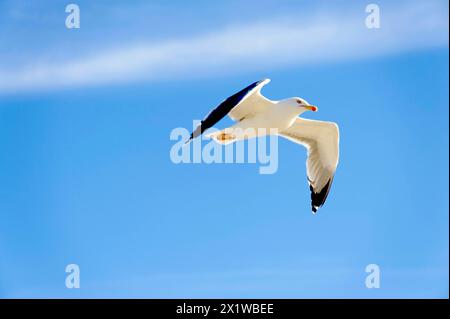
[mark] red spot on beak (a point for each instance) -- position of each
(313, 108)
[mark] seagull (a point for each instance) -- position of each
(257, 115)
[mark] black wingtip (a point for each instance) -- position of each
(318, 199)
(223, 109)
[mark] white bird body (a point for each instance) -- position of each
(277, 116)
(257, 116)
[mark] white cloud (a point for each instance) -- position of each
(262, 46)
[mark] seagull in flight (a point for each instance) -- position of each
(257, 116)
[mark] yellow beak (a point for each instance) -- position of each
(311, 108)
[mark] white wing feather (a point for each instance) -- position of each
(252, 104)
(322, 142)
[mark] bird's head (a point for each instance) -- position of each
(303, 105)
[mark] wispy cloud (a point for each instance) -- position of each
(279, 42)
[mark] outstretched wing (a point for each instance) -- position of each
(244, 103)
(322, 141)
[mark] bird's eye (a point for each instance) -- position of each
(299, 102)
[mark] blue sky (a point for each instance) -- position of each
(85, 120)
